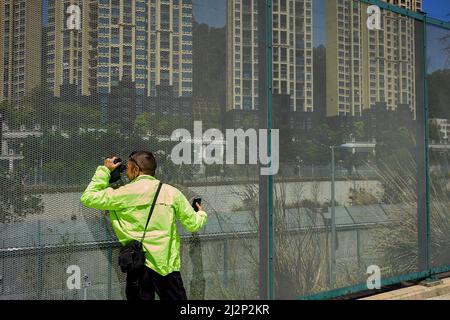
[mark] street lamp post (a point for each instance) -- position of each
(353, 146)
(333, 222)
(299, 165)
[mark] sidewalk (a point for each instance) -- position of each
(445, 297)
(438, 291)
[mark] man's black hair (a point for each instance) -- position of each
(145, 161)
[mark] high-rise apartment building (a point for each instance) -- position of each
(147, 42)
(242, 55)
(369, 67)
(20, 47)
(414, 5)
(292, 58)
(71, 51)
(344, 57)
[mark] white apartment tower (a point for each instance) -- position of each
(292, 59)
(20, 47)
(293, 52)
(146, 41)
(366, 67)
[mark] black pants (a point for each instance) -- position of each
(142, 285)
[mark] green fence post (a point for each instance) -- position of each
(358, 248)
(225, 263)
(269, 140)
(427, 141)
(40, 263)
(110, 272)
(265, 270)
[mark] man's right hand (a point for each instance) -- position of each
(109, 163)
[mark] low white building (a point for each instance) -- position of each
(444, 128)
(11, 145)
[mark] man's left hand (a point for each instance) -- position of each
(109, 163)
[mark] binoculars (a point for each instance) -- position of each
(117, 173)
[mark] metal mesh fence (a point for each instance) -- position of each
(352, 93)
(438, 65)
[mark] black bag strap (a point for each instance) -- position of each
(151, 209)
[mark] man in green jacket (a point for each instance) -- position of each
(129, 207)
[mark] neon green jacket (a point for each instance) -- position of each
(129, 207)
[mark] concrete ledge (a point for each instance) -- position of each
(417, 292)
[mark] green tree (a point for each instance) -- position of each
(142, 123)
(439, 95)
(15, 203)
(359, 129)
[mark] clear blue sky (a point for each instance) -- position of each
(439, 9)
(211, 12)
(437, 41)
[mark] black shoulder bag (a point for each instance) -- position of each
(132, 256)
